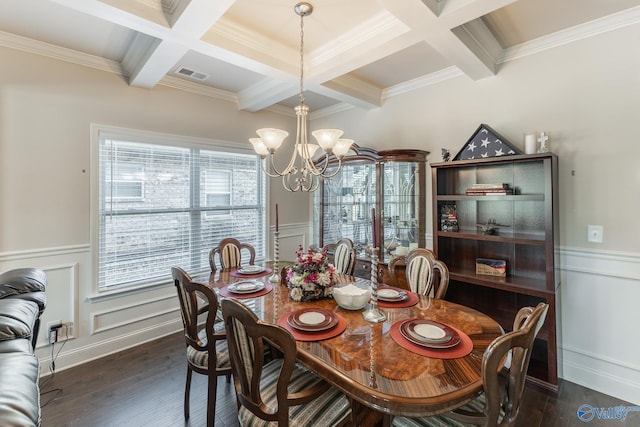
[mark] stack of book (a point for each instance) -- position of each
(489, 189)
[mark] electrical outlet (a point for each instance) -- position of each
(53, 329)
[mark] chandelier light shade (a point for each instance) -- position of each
(302, 173)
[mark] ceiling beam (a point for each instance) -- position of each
(445, 29)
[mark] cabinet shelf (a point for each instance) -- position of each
(521, 284)
(489, 197)
(503, 236)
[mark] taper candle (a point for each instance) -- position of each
(277, 223)
(373, 228)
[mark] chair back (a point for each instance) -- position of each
(229, 253)
(344, 256)
(422, 271)
(189, 293)
(246, 337)
(504, 382)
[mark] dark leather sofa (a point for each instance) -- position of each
(22, 301)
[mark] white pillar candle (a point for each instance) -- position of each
(530, 143)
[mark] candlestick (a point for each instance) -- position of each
(275, 276)
(277, 222)
(373, 313)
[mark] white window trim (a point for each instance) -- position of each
(98, 131)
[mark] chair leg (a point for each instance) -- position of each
(187, 390)
(211, 399)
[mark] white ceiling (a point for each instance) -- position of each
(357, 52)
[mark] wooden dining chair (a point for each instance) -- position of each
(344, 255)
(504, 373)
(229, 254)
(278, 391)
(207, 352)
(422, 269)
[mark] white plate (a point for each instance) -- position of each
(388, 294)
(251, 269)
(245, 287)
(430, 332)
(311, 318)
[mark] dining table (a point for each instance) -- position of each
(381, 372)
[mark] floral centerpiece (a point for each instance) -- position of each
(311, 277)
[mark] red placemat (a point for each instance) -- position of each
(224, 292)
(313, 336)
(412, 299)
(465, 347)
(236, 273)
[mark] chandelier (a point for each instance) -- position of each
(302, 173)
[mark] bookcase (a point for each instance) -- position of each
(524, 236)
(391, 181)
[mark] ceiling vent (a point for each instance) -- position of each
(196, 75)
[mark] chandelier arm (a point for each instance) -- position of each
(286, 182)
(331, 175)
(275, 169)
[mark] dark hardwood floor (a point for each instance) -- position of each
(144, 386)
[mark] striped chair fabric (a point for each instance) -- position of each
(344, 255)
(421, 267)
(266, 391)
(201, 358)
(230, 256)
(503, 383)
(229, 251)
(343, 259)
(418, 272)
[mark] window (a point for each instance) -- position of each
(166, 201)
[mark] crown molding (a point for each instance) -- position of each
(420, 82)
(573, 34)
(28, 45)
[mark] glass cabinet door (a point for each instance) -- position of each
(347, 200)
(401, 208)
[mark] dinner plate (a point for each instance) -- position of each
(251, 269)
(245, 287)
(428, 333)
(312, 319)
(391, 295)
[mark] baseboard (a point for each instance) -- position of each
(76, 356)
(610, 377)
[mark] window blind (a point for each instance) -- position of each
(163, 206)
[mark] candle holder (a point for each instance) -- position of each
(373, 313)
(275, 276)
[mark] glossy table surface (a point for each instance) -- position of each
(367, 364)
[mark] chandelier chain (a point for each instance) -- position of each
(302, 58)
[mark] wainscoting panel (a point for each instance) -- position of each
(598, 316)
(291, 236)
(138, 312)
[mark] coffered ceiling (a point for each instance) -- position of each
(357, 52)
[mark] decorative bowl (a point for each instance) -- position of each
(351, 296)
